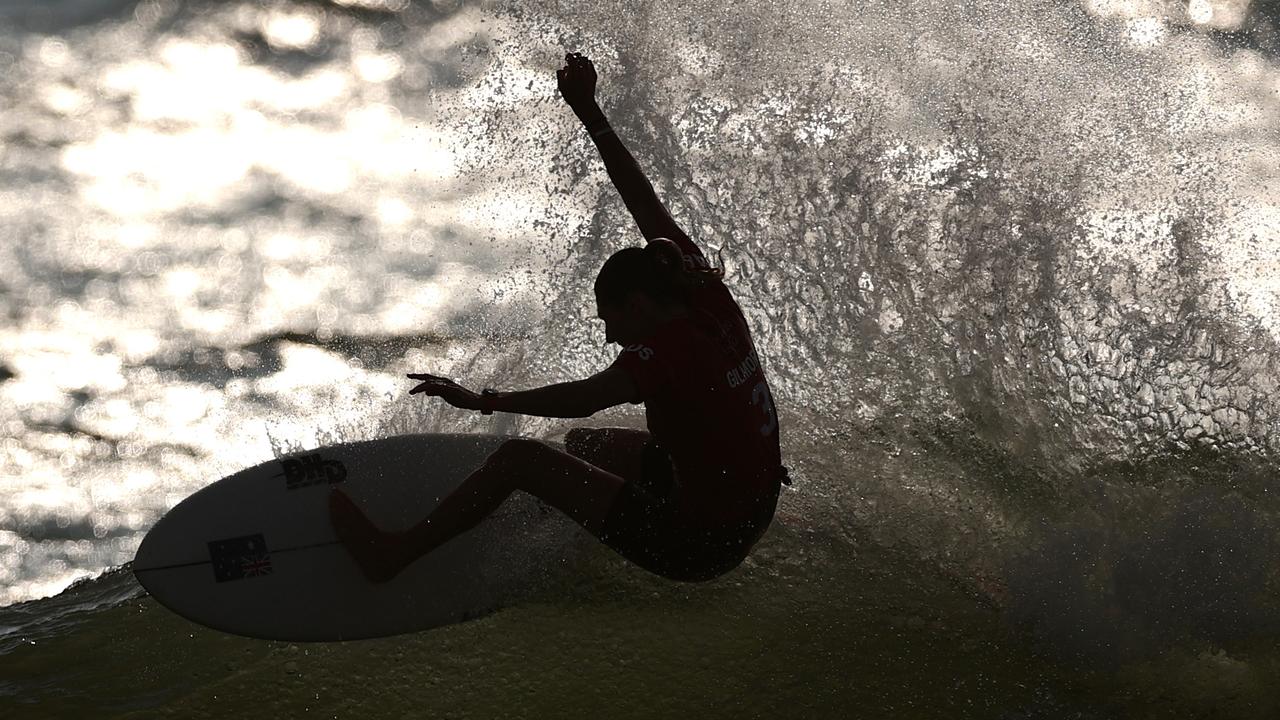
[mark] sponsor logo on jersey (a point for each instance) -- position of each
(306, 470)
(741, 372)
(643, 351)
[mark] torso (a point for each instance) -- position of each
(708, 403)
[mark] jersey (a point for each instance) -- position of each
(708, 403)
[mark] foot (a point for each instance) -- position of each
(381, 555)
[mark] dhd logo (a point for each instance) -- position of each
(306, 470)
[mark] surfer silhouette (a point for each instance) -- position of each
(688, 498)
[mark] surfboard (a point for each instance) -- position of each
(255, 554)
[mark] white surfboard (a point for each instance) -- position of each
(255, 554)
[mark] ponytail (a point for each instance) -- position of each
(660, 270)
(685, 270)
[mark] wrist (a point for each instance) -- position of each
(598, 129)
(589, 112)
(488, 400)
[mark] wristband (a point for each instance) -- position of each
(487, 393)
(599, 127)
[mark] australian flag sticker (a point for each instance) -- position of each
(239, 558)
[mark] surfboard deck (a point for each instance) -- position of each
(255, 554)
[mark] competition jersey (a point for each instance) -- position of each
(708, 403)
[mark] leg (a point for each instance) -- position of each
(581, 490)
(618, 450)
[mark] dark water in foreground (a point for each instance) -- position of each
(1119, 616)
(813, 626)
(1011, 268)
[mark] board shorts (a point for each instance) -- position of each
(643, 527)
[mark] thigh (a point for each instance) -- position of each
(649, 532)
(617, 450)
(577, 488)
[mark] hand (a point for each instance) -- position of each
(447, 390)
(577, 80)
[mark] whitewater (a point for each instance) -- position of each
(1011, 269)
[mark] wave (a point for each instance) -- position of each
(1002, 264)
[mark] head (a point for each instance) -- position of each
(638, 289)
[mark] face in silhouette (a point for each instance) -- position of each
(631, 320)
(619, 321)
(635, 319)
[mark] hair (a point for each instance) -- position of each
(658, 270)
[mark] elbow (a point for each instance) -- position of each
(585, 401)
(596, 405)
(587, 411)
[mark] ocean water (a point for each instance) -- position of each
(1011, 267)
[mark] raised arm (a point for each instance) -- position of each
(577, 83)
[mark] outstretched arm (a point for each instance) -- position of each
(580, 398)
(577, 83)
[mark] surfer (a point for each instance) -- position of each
(688, 498)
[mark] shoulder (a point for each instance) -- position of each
(643, 351)
(670, 343)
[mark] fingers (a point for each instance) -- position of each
(575, 60)
(432, 387)
(430, 382)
